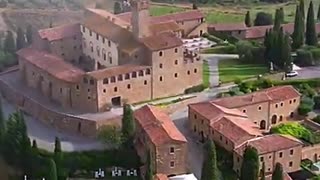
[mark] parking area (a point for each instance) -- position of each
(308, 72)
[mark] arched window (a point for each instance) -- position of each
(91, 46)
(104, 53)
(110, 57)
(98, 51)
(274, 119)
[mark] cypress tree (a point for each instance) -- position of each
(311, 36)
(2, 122)
(248, 19)
(9, 44)
(34, 144)
(117, 8)
(277, 21)
(281, 15)
(149, 171)
(302, 9)
(263, 172)
(286, 54)
(194, 6)
(29, 33)
(298, 33)
(57, 145)
(128, 127)
(318, 15)
(250, 164)
(52, 174)
(209, 169)
(278, 172)
(21, 40)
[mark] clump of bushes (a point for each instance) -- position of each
(227, 49)
(194, 89)
(213, 38)
(306, 105)
(294, 129)
(308, 56)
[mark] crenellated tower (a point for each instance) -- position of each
(140, 18)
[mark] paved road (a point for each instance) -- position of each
(45, 136)
(308, 72)
(213, 60)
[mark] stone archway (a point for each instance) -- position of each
(263, 124)
(274, 119)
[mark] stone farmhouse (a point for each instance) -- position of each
(237, 122)
(157, 136)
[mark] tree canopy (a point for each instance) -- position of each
(263, 19)
(278, 172)
(311, 35)
(210, 168)
(250, 164)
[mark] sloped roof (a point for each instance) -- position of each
(52, 64)
(162, 41)
(158, 125)
(257, 32)
(228, 26)
(164, 27)
(60, 32)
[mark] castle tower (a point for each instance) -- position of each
(140, 18)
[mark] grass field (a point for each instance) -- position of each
(232, 69)
(205, 74)
(162, 10)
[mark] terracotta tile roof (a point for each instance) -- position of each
(228, 26)
(52, 64)
(114, 32)
(60, 32)
(158, 125)
(116, 70)
(162, 41)
(257, 32)
(180, 16)
(269, 143)
(109, 16)
(277, 93)
(164, 27)
(160, 177)
(238, 130)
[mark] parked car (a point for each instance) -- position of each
(292, 74)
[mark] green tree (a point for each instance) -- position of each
(286, 54)
(263, 172)
(128, 126)
(318, 15)
(2, 122)
(298, 33)
(210, 169)
(263, 19)
(281, 15)
(58, 159)
(250, 164)
(194, 6)
(248, 19)
(150, 170)
(117, 8)
(57, 145)
(29, 33)
(277, 21)
(311, 36)
(21, 39)
(302, 9)
(278, 172)
(9, 44)
(34, 144)
(110, 135)
(52, 174)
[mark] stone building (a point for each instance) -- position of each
(105, 61)
(156, 134)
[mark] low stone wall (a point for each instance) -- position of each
(311, 124)
(64, 122)
(311, 152)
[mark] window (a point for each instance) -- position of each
(103, 40)
(60, 90)
(202, 121)
(145, 82)
(172, 164)
(188, 72)
(175, 75)
(109, 43)
(280, 118)
(148, 71)
(85, 80)
(83, 29)
(91, 81)
(259, 108)
(104, 54)
(127, 76)
(134, 74)
(91, 46)
(110, 57)
(212, 132)
(291, 152)
(160, 66)
(77, 87)
(269, 157)
(98, 51)
(294, 100)
(90, 32)
(290, 102)
(115, 89)
(120, 77)
(74, 47)
(290, 164)
(104, 91)
(280, 155)
(113, 79)
(244, 111)
(62, 54)
(97, 36)
(89, 97)
(226, 142)
(160, 78)
(88, 90)
(176, 50)
(238, 159)
(176, 62)
(171, 149)
(141, 73)
(276, 105)
(281, 104)
(160, 53)
(129, 86)
(105, 81)
(195, 116)
(195, 70)
(220, 138)
(136, 56)
(261, 159)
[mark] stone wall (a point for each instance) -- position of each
(311, 152)
(61, 121)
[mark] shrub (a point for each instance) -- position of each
(306, 90)
(304, 109)
(307, 101)
(304, 58)
(213, 38)
(228, 49)
(315, 54)
(194, 89)
(316, 100)
(263, 19)
(316, 119)
(294, 129)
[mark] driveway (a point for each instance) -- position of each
(213, 60)
(45, 136)
(308, 72)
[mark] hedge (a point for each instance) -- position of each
(194, 89)
(213, 38)
(228, 49)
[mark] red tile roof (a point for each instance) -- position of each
(164, 27)
(161, 177)
(273, 94)
(158, 125)
(109, 16)
(60, 32)
(227, 26)
(162, 41)
(257, 32)
(269, 143)
(116, 70)
(52, 64)
(178, 17)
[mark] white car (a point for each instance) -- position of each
(292, 74)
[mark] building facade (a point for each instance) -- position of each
(157, 135)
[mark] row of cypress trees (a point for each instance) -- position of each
(23, 39)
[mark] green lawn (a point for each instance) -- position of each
(205, 74)
(232, 69)
(163, 10)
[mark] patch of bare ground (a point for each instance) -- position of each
(39, 18)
